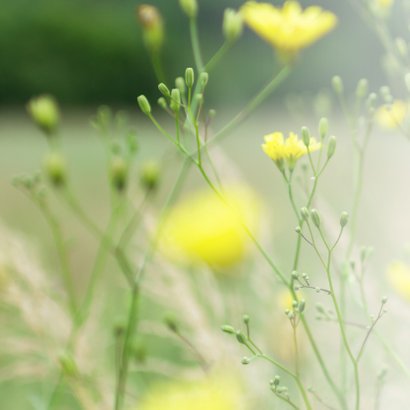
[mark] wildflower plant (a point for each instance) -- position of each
(170, 251)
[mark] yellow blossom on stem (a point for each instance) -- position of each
(290, 149)
(289, 28)
(392, 116)
(203, 228)
(398, 274)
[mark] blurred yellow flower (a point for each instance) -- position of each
(209, 394)
(285, 300)
(290, 149)
(289, 29)
(206, 229)
(398, 274)
(383, 5)
(392, 115)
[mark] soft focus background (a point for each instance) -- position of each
(89, 52)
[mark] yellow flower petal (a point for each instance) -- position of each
(398, 274)
(288, 29)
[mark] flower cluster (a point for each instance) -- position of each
(290, 149)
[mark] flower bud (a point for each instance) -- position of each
(323, 127)
(246, 319)
(164, 90)
(402, 47)
(203, 79)
(199, 98)
(144, 105)
(118, 173)
(55, 169)
(162, 102)
(139, 351)
(306, 136)
(150, 175)
(331, 147)
(175, 103)
(240, 337)
(152, 26)
(171, 322)
(315, 218)
(386, 94)
(189, 7)
(344, 219)
(45, 113)
(228, 329)
(189, 77)
(337, 84)
(304, 212)
(180, 84)
(232, 25)
(362, 88)
(212, 114)
(245, 360)
(68, 365)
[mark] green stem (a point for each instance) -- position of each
(218, 56)
(253, 104)
(193, 27)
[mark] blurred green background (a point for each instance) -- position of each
(88, 52)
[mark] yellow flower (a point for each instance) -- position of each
(290, 149)
(392, 116)
(208, 394)
(399, 276)
(384, 4)
(289, 29)
(206, 229)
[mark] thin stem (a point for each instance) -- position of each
(226, 46)
(253, 104)
(196, 49)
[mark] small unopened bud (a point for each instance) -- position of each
(337, 84)
(240, 337)
(298, 229)
(306, 136)
(212, 114)
(276, 380)
(344, 219)
(232, 26)
(150, 175)
(315, 218)
(304, 212)
(294, 275)
(171, 323)
(55, 169)
(402, 47)
(323, 127)
(139, 352)
(164, 90)
(199, 98)
(144, 105)
(371, 101)
(386, 94)
(152, 26)
(331, 147)
(203, 79)
(162, 102)
(230, 330)
(68, 365)
(180, 85)
(301, 306)
(189, 77)
(118, 173)
(45, 113)
(175, 103)
(362, 88)
(245, 360)
(189, 7)
(384, 300)
(246, 319)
